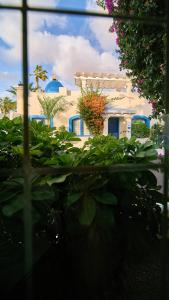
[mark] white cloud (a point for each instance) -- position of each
(68, 54)
(10, 24)
(11, 2)
(37, 20)
(100, 28)
(11, 30)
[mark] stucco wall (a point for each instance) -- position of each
(124, 108)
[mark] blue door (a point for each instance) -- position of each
(113, 127)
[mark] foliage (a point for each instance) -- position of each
(6, 105)
(139, 50)
(39, 74)
(157, 135)
(91, 108)
(45, 143)
(139, 129)
(83, 209)
(52, 148)
(12, 89)
(51, 106)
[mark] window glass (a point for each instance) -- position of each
(86, 5)
(11, 2)
(76, 126)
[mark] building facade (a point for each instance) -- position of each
(118, 114)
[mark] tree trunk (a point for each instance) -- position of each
(37, 83)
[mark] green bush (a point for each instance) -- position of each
(156, 134)
(139, 129)
(54, 148)
(87, 208)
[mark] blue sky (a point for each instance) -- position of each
(61, 44)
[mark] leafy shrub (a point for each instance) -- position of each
(139, 129)
(92, 212)
(51, 148)
(156, 134)
(45, 142)
(91, 107)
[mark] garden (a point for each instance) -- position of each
(89, 225)
(96, 210)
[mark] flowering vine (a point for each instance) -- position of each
(141, 47)
(91, 107)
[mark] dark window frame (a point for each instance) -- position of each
(27, 169)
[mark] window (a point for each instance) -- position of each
(143, 119)
(76, 125)
(41, 118)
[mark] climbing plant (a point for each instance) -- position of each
(141, 47)
(91, 107)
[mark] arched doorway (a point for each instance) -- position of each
(113, 126)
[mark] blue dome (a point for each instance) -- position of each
(53, 86)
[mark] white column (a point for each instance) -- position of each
(128, 128)
(105, 129)
(83, 82)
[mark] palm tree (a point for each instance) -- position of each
(39, 73)
(51, 106)
(12, 89)
(6, 105)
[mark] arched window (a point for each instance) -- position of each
(142, 118)
(140, 127)
(77, 125)
(41, 118)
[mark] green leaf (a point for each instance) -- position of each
(147, 153)
(36, 152)
(58, 179)
(106, 198)
(7, 195)
(73, 198)
(43, 194)
(36, 146)
(18, 149)
(150, 153)
(66, 159)
(140, 154)
(147, 144)
(88, 211)
(15, 206)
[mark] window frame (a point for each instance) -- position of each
(27, 168)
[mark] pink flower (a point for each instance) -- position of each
(109, 5)
(125, 62)
(141, 81)
(117, 40)
(112, 28)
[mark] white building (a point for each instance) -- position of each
(118, 114)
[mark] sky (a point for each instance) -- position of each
(62, 44)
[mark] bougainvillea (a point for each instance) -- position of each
(91, 107)
(141, 47)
